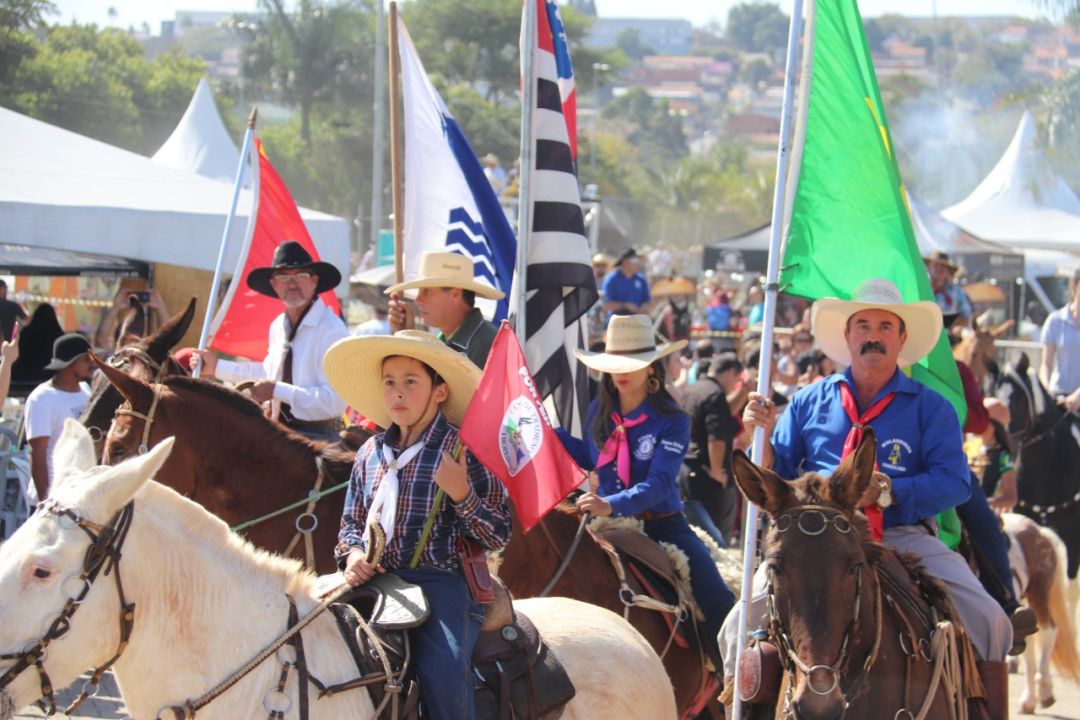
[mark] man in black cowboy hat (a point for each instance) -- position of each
(292, 373)
(64, 396)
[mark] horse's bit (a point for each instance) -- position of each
(106, 542)
(814, 520)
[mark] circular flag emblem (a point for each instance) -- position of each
(520, 435)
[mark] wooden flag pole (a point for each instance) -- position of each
(397, 156)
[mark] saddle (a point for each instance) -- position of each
(517, 674)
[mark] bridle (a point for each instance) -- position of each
(121, 360)
(148, 419)
(814, 520)
(103, 555)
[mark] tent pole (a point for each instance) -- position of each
(211, 301)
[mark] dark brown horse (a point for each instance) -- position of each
(234, 461)
(146, 358)
(852, 621)
(531, 559)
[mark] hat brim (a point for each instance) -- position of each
(353, 366)
(484, 291)
(56, 364)
(614, 364)
(922, 321)
(259, 278)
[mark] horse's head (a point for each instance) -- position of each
(57, 565)
(976, 349)
(1032, 409)
(146, 359)
(817, 571)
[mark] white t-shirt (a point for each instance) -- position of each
(46, 409)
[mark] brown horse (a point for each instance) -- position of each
(853, 627)
(234, 461)
(976, 350)
(146, 358)
(1038, 559)
(531, 559)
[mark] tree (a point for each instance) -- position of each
(650, 125)
(629, 41)
(755, 72)
(17, 44)
(755, 27)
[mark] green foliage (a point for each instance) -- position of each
(754, 72)
(757, 27)
(98, 83)
(629, 41)
(989, 73)
(24, 14)
(651, 125)
(488, 126)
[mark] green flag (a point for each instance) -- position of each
(849, 215)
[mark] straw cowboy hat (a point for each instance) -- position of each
(353, 366)
(940, 257)
(666, 287)
(446, 269)
(291, 255)
(629, 345)
(922, 320)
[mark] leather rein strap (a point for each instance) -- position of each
(148, 418)
(106, 543)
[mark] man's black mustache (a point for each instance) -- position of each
(872, 346)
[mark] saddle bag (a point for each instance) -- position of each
(760, 673)
(517, 674)
(474, 568)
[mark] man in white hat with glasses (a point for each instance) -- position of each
(446, 291)
(920, 450)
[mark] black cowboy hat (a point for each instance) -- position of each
(626, 255)
(67, 349)
(291, 255)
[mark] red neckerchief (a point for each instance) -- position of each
(858, 422)
(617, 447)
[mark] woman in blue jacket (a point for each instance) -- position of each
(636, 437)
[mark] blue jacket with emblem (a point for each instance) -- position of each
(657, 447)
(920, 444)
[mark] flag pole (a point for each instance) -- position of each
(524, 228)
(772, 275)
(378, 127)
(396, 154)
(211, 302)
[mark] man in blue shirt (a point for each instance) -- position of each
(949, 296)
(626, 292)
(920, 447)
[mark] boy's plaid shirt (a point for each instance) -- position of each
(484, 516)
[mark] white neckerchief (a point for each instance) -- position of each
(384, 505)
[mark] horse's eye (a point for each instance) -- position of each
(41, 573)
(855, 569)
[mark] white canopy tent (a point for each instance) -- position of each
(64, 191)
(200, 143)
(1022, 203)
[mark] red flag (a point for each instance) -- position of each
(508, 430)
(243, 330)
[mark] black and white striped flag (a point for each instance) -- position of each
(560, 285)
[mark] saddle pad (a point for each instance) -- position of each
(643, 549)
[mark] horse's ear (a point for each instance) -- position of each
(1023, 364)
(117, 485)
(762, 487)
(135, 391)
(74, 451)
(999, 330)
(133, 324)
(852, 476)
(170, 333)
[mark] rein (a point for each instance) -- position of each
(565, 563)
(106, 543)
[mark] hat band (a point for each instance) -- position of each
(633, 351)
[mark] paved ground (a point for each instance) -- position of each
(1067, 707)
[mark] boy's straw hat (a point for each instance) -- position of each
(354, 368)
(446, 270)
(629, 345)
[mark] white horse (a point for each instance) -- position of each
(1038, 559)
(206, 602)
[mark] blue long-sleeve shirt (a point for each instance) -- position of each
(919, 444)
(657, 447)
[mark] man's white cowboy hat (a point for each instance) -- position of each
(629, 345)
(446, 270)
(922, 320)
(354, 367)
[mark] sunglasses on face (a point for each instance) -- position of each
(292, 277)
(803, 339)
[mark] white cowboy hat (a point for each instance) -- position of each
(922, 320)
(629, 345)
(353, 366)
(446, 270)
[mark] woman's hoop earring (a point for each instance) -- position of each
(653, 385)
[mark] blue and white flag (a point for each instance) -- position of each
(449, 202)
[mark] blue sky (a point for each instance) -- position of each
(135, 12)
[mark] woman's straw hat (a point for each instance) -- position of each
(629, 345)
(666, 287)
(354, 368)
(447, 270)
(922, 320)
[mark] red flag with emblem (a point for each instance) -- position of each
(508, 430)
(242, 326)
